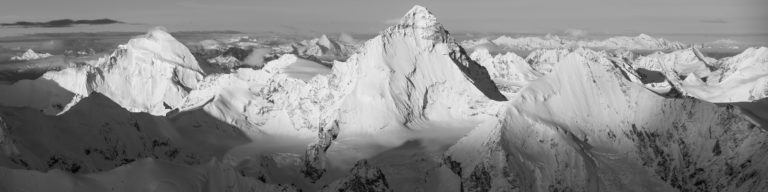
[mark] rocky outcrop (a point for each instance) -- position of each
(363, 177)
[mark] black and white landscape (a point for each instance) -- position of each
(411, 108)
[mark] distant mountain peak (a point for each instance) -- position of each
(645, 36)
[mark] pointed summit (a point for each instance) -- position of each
(419, 17)
(327, 43)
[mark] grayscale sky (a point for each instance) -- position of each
(364, 16)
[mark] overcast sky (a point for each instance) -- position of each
(365, 16)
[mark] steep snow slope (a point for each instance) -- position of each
(584, 127)
(542, 60)
(7, 145)
(509, 71)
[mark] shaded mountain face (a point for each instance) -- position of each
(410, 110)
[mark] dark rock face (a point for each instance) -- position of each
(237, 53)
(363, 177)
(476, 73)
(314, 159)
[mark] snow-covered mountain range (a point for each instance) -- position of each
(640, 42)
(408, 110)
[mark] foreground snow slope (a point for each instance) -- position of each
(584, 127)
(97, 135)
(142, 175)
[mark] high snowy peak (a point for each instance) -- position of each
(398, 86)
(419, 17)
(30, 55)
(324, 49)
(422, 24)
(324, 41)
(420, 30)
(152, 73)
